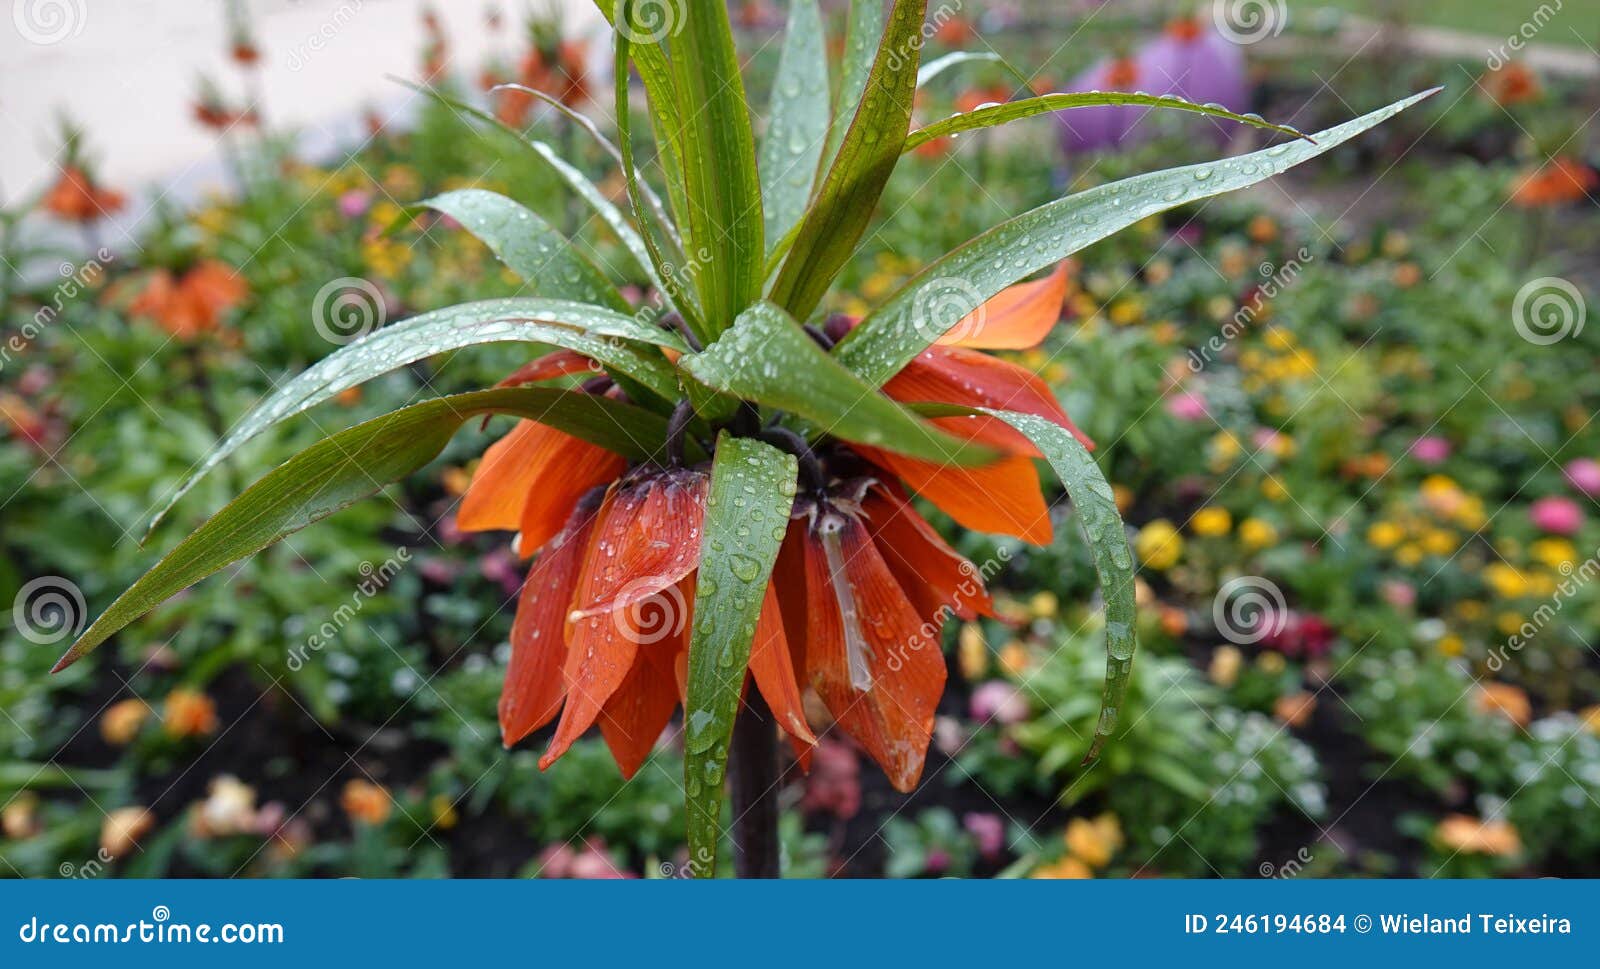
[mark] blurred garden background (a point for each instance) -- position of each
(1349, 416)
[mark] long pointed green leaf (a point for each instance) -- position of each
(597, 333)
(725, 228)
(766, 357)
(1096, 512)
(642, 37)
(910, 320)
(351, 465)
(939, 65)
(992, 115)
(530, 246)
(797, 122)
(747, 513)
(862, 34)
(867, 157)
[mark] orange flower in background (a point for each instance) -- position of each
(189, 713)
(194, 303)
(1511, 83)
(974, 98)
(366, 802)
(1469, 835)
(862, 582)
(1503, 699)
(76, 198)
(1560, 182)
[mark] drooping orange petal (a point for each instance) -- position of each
(1017, 317)
(952, 375)
(648, 540)
(639, 710)
(933, 575)
(1001, 497)
(571, 468)
(893, 718)
(534, 685)
(773, 671)
(558, 363)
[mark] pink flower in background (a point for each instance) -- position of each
(354, 203)
(1559, 516)
(1091, 129)
(834, 784)
(1197, 64)
(1584, 474)
(1186, 406)
(1430, 450)
(988, 831)
(1401, 595)
(1000, 701)
(1295, 633)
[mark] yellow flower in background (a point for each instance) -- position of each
(1469, 513)
(1471, 610)
(1506, 581)
(1590, 716)
(1225, 664)
(972, 653)
(1159, 545)
(1126, 311)
(1271, 662)
(1094, 842)
(1553, 552)
(1257, 533)
(1441, 495)
(1408, 554)
(1450, 645)
(1385, 534)
(1273, 490)
(1438, 541)
(1507, 622)
(1211, 521)
(444, 812)
(1224, 448)
(1044, 605)
(1067, 867)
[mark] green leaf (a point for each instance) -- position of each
(353, 464)
(593, 331)
(535, 251)
(910, 320)
(992, 115)
(797, 122)
(747, 513)
(862, 34)
(724, 226)
(1108, 542)
(766, 357)
(867, 157)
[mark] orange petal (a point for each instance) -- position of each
(571, 468)
(1002, 497)
(648, 539)
(933, 575)
(534, 685)
(952, 375)
(893, 719)
(640, 709)
(773, 671)
(1015, 318)
(558, 363)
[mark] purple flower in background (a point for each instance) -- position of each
(1091, 129)
(1430, 450)
(1000, 701)
(354, 203)
(1197, 64)
(988, 831)
(1584, 474)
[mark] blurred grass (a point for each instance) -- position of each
(1573, 23)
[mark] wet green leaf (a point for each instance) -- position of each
(797, 122)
